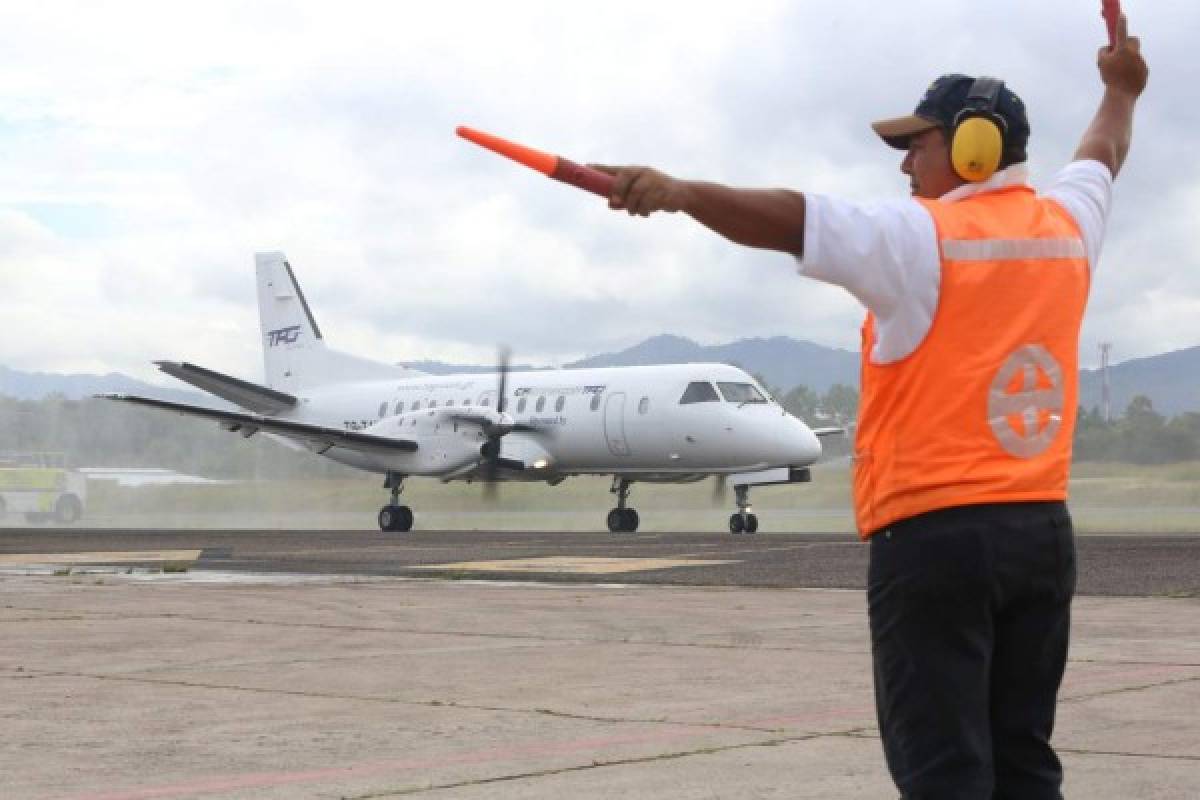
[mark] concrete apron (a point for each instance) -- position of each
(121, 688)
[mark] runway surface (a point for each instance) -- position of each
(581, 672)
(1115, 565)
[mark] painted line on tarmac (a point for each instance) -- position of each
(575, 565)
(111, 557)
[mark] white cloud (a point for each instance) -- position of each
(161, 145)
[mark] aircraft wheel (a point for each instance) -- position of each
(622, 520)
(751, 523)
(68, 509)
(736, 523)
(395, 518)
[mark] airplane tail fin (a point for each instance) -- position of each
(294, 352)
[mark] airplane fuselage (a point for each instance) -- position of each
(628, 420)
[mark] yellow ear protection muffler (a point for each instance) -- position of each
(977, 142)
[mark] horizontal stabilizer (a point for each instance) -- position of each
(243, 394)
(319, 437)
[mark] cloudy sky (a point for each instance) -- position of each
(147, 150)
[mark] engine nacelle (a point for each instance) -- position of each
(444, 442)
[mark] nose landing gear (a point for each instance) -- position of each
(394, 517)
(622, 519)
(743, 520)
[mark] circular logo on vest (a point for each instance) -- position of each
(1025, 401)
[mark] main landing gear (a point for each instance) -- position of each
(622, 519)
(743, 520)
(395, 517)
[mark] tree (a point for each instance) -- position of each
(841, 402)
(1095, 439)
(802, 402)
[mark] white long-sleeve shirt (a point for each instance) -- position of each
(886, 253)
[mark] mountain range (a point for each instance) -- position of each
(1171, 380)
(782, 362)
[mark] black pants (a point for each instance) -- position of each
(970, 616)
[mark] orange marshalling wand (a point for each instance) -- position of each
(1111, 10)
(550, 165)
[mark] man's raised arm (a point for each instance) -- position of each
(1124, 74)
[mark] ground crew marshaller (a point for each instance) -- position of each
(975, 289)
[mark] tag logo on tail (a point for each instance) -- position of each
(286, 335)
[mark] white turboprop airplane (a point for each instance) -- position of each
(665, 424)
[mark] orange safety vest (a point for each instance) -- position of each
(983, 410)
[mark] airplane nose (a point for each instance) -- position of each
(778, 439)
(803, 446)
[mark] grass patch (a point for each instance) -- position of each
(1104, 497)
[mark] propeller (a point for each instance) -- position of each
(491, 448)
(496, 425)
(720, 489)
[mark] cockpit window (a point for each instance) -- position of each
(699, 392)
(741, 393)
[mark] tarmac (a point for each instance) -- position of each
(123, 683)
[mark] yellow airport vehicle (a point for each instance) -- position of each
(40, 486)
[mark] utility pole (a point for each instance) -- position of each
(1105, 388)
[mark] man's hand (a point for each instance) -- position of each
(642, 190)
(1122, 68)
(1124, 74)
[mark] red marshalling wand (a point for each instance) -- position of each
(550, 165)
(1111, 10)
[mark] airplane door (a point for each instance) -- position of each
(614, 424)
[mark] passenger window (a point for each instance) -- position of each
(383, 409)
(433, 403)
(466, 401)
(399, 407)
(595, 402)
(485, 401)
(541, 403)
(416, 405)
(560, 402)
(699, 392)
(521, 405)
(644, 405)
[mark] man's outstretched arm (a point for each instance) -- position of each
(1124, 74)
(772, 219)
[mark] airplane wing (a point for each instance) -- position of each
(322, 438)
(245, 394)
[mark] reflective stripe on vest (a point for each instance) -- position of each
(1011, 249)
